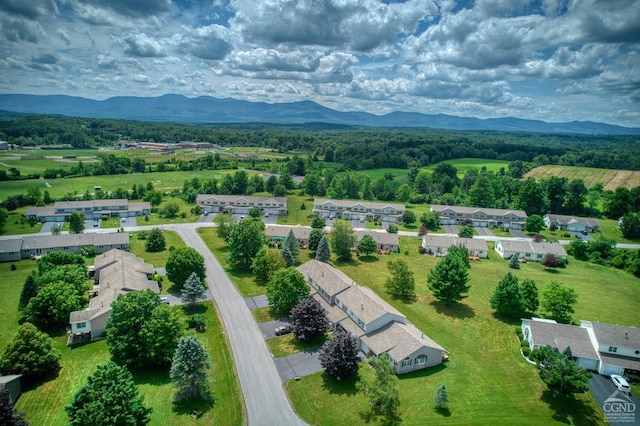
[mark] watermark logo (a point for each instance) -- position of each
(619, 408)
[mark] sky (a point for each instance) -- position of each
(551, 60)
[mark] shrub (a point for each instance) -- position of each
(197, 322)
(526, 351)
(519, 333)
(422, 250)
(13, 267)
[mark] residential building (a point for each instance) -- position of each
(38, 245)
(571, 223)
(605, 348)
(116, 272)
(618, 347)
(438, 245)
(545, 332)
(480, 216)
(277, 233)
(354, 209)
(528, 250)
(12, 383)
(92, 209)
(378, 327)
(387, 242)
(241, 204)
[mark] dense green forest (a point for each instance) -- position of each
(357, 148)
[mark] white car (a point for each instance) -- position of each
(164, 299)
(621, 383)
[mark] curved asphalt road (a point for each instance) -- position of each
(264, 396)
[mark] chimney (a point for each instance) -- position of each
(102, 304)
(626, 335)
(362, 306)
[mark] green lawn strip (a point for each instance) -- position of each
(243, 280)
(44, 405)
(157, 259)
(464, 164)
(266, 314)
(288, 345)
(376, 174)
(11, 287)
(296, 215)
(487, 379)
(14, 225)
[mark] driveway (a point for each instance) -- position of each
(257, 302)
(483, 230)
(603, 389)
(517, 233)
(451, 229)
(264, 397)
(298, 365)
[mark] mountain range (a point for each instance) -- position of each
(205, 109)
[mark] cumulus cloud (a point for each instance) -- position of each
(131, 8)
(22, 30)
(142, 45)
(209, 42)
(140, 78)
(30, 9)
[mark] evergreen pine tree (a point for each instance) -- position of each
(189, 369)
(529, 291)
(192, 290)
(323, 254)
(507, 298)
(29, 290)
(441, 397)
(514, 263)
(289, 259)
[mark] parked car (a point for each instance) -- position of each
(241, 217)
(123, 220)
(95, 223)
(283, 329)
(205, 213)
(621, 383)
(266, 214)
(361, 219)
(164, 299)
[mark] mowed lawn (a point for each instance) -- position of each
(465, 164)
(487, 379)
(609, 178)
(44, 404)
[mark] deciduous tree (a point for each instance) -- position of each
(367, 245)
(29, 290)
(529, 292)
(558, 301)
(339, 356)
(182, 262)
(560, 372)
(189, 369)
(285, 289)
(30, 353)
(141, 331)
(156, 241)
(109, 398)
(465, 231)
(342, 239)
(383, 393)
(51, 307)
(76, 222)
(308, 320)
(8, 414)
(245, 241)
(401, 282)
(534, 223)
(314, 238)
(266, 263)
(408, 217)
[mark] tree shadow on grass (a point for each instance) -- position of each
(195, 408)
(157, 376)
(384, 418)
(198, 308)
(368, 258)
(340, 387)
(444, 412)
(455, 310)
(551, 270)
(508, 320)
(569, 410)
(425, 372)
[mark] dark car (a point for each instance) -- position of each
(283, 329)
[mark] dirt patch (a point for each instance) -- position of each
(610, 179)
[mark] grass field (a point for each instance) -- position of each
(44, 404)
(464, 164)
(610, 179)
(487, 379)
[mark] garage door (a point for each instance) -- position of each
(589, 364)
(609, 369)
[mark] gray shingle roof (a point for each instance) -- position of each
(561, 336)
(234, 199)
(433, 240)
(365, 304)
(319, 202)
(299, 231)
(567, 220)
(34, 242)
(472, 210)
(11, 246)
(332, 280)
(616, 335)
(525, 246)
(381, 237)
(398, 340)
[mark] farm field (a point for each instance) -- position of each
(44, 404)
(487, 379)
(464, 164)
(610, 179)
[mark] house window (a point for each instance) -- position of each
(421, 360)
(406, 362)
(81, 325)
(613, 349)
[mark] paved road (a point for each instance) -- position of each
(264, 396)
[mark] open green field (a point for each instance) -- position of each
(44, 404)
(464, 164)
(610, 179)
(375, 174)
(487, 378)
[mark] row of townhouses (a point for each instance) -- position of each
(378, 327)
(241, 204)
(38, 245)
(92, 209)
(605, 348)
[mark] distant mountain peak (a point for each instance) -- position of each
(206, 109)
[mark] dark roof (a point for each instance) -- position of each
(561, 336)
(617, 335)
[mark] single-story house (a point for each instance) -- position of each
(277, 233)
(480, 216)
(545, 332)
(12, 383)
(378, 327)
(386, 241)
(571, 223)
(528, 250)
(116, 272)
(354, 209)
(241, 204)
(618, 347)
(438, 245)
(92, 209)
(38, 245)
